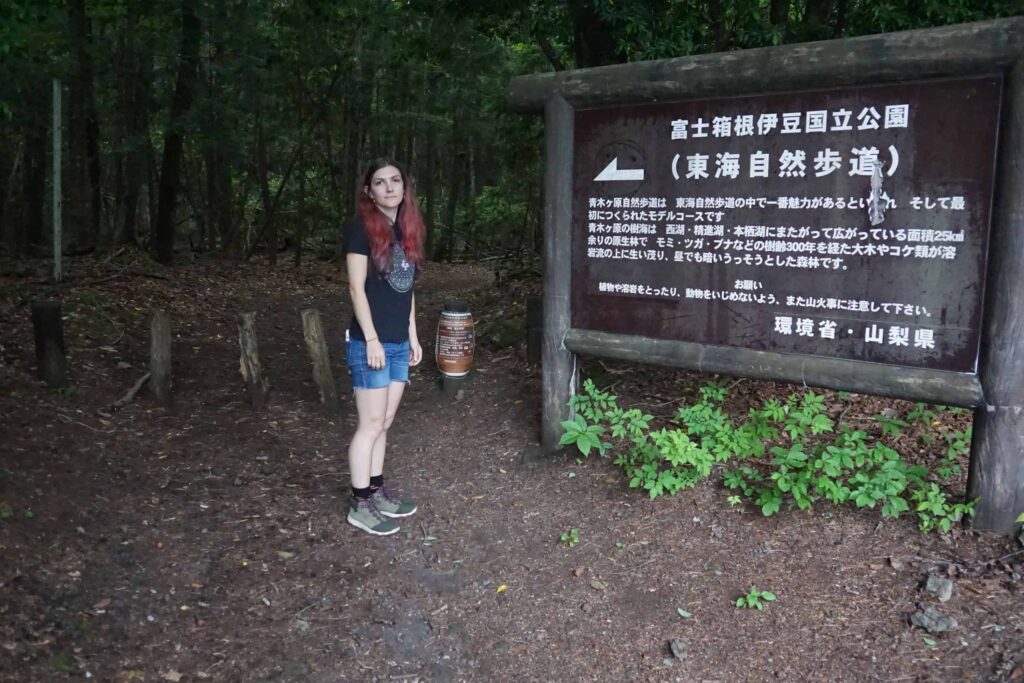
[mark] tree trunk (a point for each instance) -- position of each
(779, 14)
(269, 226)
(180, 105)
(300, 224)
(593, 43)
(816, 18)
(721, 31)
(134, 86)
(83, 188)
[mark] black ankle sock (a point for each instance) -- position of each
(376, 482)
(362, 494)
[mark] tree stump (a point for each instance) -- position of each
(48, 329)
(249, 364)
(316, 343)
(160, 357)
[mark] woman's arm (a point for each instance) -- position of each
(358, 267)
(415, 350)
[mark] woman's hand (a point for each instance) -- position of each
(375, 354)
(415, 351)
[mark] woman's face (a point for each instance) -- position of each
(386, 188)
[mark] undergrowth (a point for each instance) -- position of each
(784, 454)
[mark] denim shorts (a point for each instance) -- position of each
(396, 365)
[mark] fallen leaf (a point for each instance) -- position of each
(684, 614)
(172, 675)
(285, 555)
(578, 572)
(598, 585)
(502, 588)
(502, 471)
(102, 604)
(895, 563)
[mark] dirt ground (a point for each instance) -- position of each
(208, 541)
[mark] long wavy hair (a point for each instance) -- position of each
(379, 232)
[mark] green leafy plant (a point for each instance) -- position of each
(571, 537)
(587, 437)
(891, 425)
(786, 453)
(755, 599)
(922, 412)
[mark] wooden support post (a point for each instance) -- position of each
(534, 328)
(160, 357)
(58, 192)
(48, 329)
(996, 476)
(559, 371)
(250, 365)
(316, 343)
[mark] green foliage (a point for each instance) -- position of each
(571, 537)
(755, 599)
(585, 436)
(786, 454)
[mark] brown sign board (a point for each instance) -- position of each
(847, 223)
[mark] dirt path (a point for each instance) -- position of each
(208, 542)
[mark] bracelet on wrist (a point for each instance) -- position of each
(370, 340)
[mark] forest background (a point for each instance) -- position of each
(237, 126)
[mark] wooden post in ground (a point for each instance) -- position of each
(160, 357)
(249, 364)
(316, 343)
(559, 369)
(48, 329)
(996, 476)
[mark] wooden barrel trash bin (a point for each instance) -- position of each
(455, 342)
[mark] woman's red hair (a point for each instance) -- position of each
(379, 232)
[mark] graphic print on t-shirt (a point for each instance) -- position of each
(400, 277)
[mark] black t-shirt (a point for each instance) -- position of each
(389, 294)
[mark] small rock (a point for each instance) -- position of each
(940, 587)
(717, 532)
(678, 649)
(667, 661)
(933, 621)
(578, 572)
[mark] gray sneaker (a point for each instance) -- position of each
(389, 503)
(363, 513)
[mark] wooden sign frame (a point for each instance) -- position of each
(996, 391)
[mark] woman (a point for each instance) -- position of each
(384, 253)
